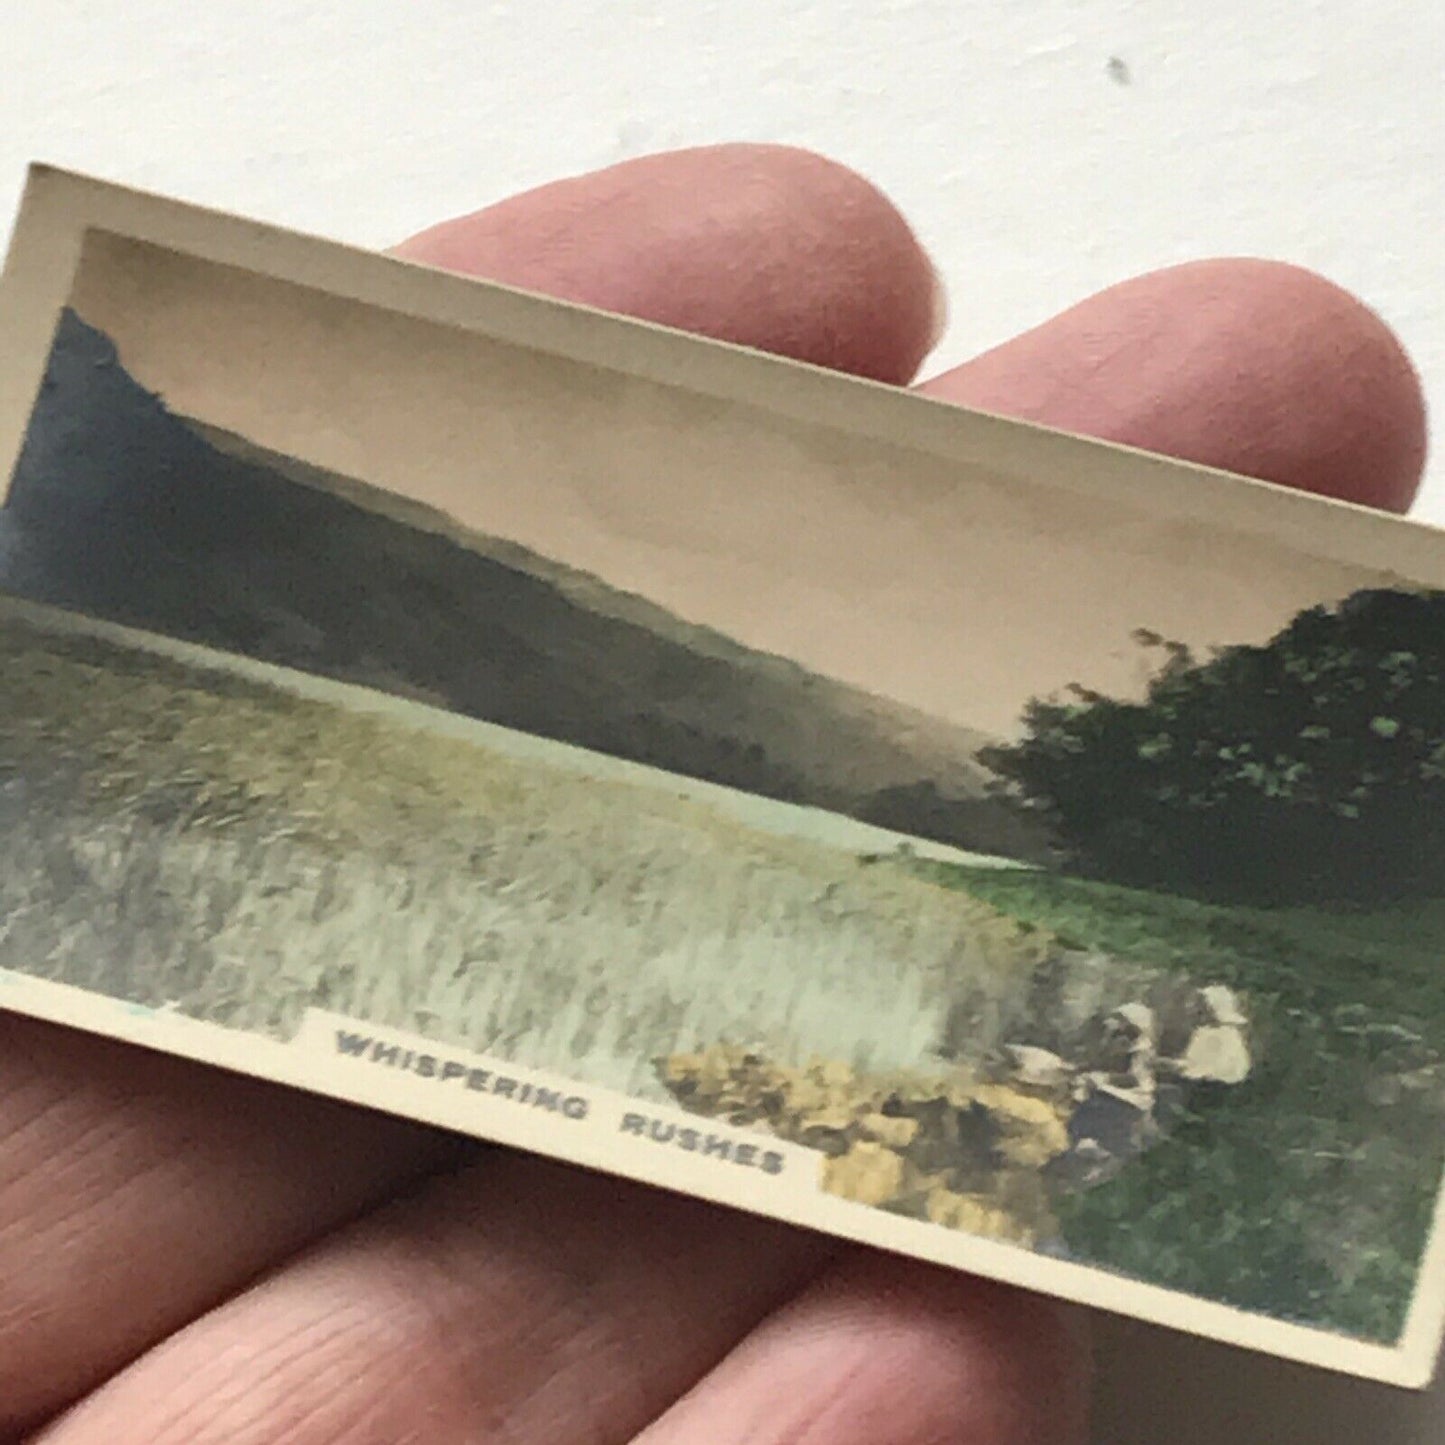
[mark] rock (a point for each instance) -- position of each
(1217, 1054)
(1110, 1126)
(1036, 1068)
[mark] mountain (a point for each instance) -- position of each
(124, 510)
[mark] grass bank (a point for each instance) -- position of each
(1307, 1192)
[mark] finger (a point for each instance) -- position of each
(519, 1301)
(879, 1352)
(137, 1190)
(765, 246)
(1251, 366)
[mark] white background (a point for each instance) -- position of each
(1042, 148)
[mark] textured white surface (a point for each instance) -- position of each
(1043, 148)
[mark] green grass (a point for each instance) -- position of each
(1304, 1192)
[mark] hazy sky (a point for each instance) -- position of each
(961, 591)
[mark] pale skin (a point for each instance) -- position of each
(191, 1257)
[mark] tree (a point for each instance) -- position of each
(1309, 768)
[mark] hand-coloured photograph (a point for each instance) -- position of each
(994, 846)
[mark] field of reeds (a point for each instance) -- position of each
(238, 851)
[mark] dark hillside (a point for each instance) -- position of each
(123, 510)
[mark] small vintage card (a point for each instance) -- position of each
(1001, 848)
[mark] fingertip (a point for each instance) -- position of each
(1253, 366)
(1359, 433)
(768, 246)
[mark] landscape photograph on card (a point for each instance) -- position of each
(1055, 868)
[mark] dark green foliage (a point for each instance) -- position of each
(1309, 768)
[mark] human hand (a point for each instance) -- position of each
(186, 1256)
